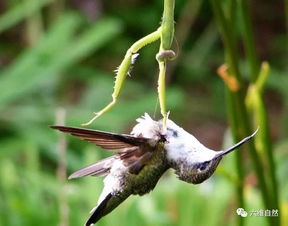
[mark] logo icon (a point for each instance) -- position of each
(241, 212)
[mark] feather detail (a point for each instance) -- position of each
(133, 151)
(99, 211)
(101, 168)
(110, 141)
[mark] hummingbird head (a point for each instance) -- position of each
(193, 162)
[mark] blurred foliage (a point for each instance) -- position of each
(62, 54)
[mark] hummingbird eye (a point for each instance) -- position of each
(203, 165)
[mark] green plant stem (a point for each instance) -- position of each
(228, 40)
(237, 98)
(34, 25)
(55, 9)
(260, 110)
(263, 140)
(244, 128)
(232, 117)
(248, 40)
(61, 170)
(232, 60)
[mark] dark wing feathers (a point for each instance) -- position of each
(133, 151)
(101, 168)
(105, 140)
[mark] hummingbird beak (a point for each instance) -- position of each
(222, 153)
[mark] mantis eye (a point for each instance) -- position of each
(173, 132)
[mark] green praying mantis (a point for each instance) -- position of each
(166, 34)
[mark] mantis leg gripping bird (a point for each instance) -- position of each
(142, 157)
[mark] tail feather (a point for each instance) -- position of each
(98, 212)
(109, 203)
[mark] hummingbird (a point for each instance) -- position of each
(142, 157)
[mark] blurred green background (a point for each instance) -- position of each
(56, 65)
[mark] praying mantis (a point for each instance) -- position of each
(165, 33)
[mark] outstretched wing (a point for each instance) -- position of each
(133, 151)
(109, 141)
